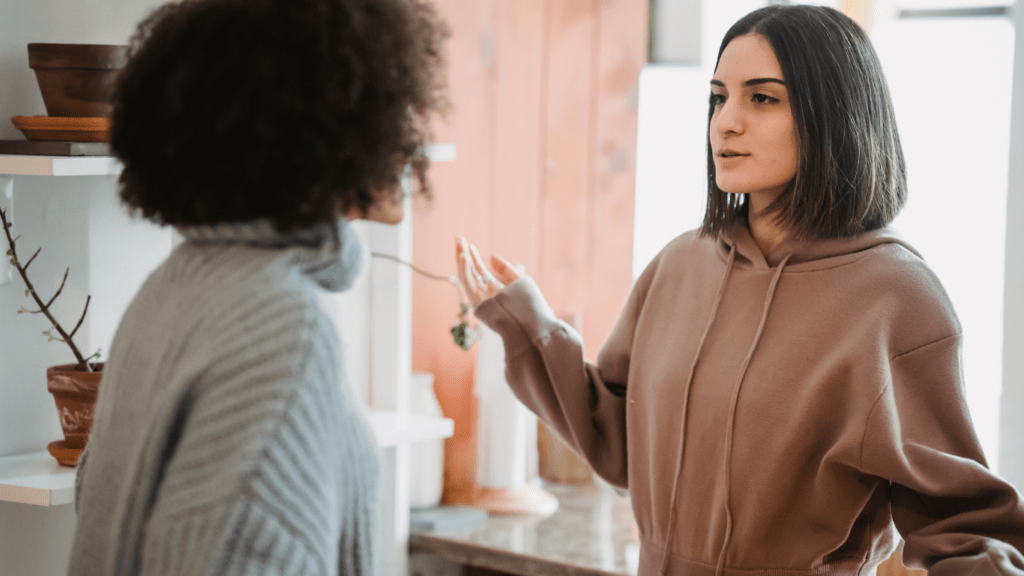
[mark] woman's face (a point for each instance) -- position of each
(753, 136)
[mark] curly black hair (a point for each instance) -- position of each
(292, 110)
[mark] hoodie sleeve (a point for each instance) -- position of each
(956, 516)
(544, 364)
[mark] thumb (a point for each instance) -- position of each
(504, 270)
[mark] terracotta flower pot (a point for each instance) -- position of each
(74, 393)
(77, 79)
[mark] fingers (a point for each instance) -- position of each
(485, 274)
(505, 271)
(478, 281)
(464, 266)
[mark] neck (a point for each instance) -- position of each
(767, 233)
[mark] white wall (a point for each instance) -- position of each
(79, 224)
(1011, 455)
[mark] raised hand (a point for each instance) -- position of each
(479, 282)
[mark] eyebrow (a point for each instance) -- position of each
(753, 82)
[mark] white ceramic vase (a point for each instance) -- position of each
(426, 458)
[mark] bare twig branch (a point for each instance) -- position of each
(415, 269)
(57, 293)
(45, 308)
(40, 249)
(87, 298)
(464, 335)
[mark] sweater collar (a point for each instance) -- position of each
(328, 252)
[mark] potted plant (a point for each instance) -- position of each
(74, 386)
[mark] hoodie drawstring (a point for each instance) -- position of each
(720, 568)
(686, 401)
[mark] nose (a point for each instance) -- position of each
(728, 118)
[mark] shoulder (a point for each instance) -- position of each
(900, 285)
(689, 256)
(241, 313)
(688, 248)
(688, 242)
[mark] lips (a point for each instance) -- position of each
(727, 153)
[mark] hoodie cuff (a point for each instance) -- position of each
(519, 314)
(997, 559)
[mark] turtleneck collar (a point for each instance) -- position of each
(328, 252)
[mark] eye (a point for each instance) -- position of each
(764, 98)
(716, 99)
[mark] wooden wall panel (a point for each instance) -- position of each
(462, 205)
(546, 141)
(516, 184)
(567, 131)
(620, 55)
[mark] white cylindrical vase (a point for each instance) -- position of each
(507, 479)
(426, 459)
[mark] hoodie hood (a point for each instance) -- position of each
(804, 254)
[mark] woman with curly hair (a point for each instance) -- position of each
(782, 392)
(227, 439)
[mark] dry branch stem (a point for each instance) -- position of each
(59, 290)
(86, 309)
(44, 308)
(30, 259)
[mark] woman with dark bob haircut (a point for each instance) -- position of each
(227, 438)
(782, 394)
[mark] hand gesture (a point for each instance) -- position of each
(479, 282)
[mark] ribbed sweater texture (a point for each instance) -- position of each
(227, 439)
(780, 414)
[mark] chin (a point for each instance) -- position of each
(390, 217)
(390, 213)
(393, 220)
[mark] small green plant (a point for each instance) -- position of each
(44, 307)
(462, 333)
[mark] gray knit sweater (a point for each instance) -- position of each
(227, 438)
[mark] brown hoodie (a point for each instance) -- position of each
(776, 416)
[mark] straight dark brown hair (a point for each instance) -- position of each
(852, 175)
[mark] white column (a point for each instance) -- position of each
(390, 371)
(1011, 421)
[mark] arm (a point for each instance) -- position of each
(545, 367)
(956, 516)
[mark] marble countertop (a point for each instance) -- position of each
(590, 535)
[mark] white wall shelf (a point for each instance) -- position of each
(36, 478)
(29, 165)
(26, 165)
(393, 429)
